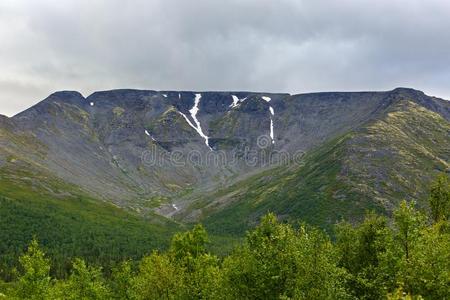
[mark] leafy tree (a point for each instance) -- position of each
(203, 280)
(189, 245)
(200, 270)
(318, 276)
(428, 271)
(360, 250)
(400, 294)
(259, 269)
(157, 278)
(409, 223)
(85, 283)
(278, 261)
(440, 198)
(35, 282)
(121, 280)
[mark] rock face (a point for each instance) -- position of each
(161, 150)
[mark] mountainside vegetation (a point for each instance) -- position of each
(372, 167)
(406, 258)
(71, 224)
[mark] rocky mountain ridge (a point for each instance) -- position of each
(161, 151)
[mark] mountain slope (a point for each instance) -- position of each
(372, 167)
(203, 155)
(67, 221)
(70, 223)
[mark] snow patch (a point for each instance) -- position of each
(272, 112)
(175, 207)
(194, 110)
(236, 101)
(271, 131)
(92, 104)
(164, 95)
(148, 133)
(179, 96)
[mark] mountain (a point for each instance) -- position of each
(371, 167)
(224, 158)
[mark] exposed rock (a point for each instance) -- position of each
(127, 146)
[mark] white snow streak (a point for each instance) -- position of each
(272, 112)
(271, 124)
(187, 120)
(271, 131)
(236, 101)
(148, 133)
(174, 206)
(164, 95)
(194, 110)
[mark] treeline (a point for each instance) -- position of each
(404, 257)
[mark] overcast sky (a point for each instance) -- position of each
(293, 46)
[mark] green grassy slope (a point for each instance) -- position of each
(69, 223)
(371, 168)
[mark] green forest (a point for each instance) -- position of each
(403, 256)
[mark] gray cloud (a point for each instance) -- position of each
(284, 45)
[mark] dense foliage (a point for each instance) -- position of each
(69, 228)
(405, 257)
